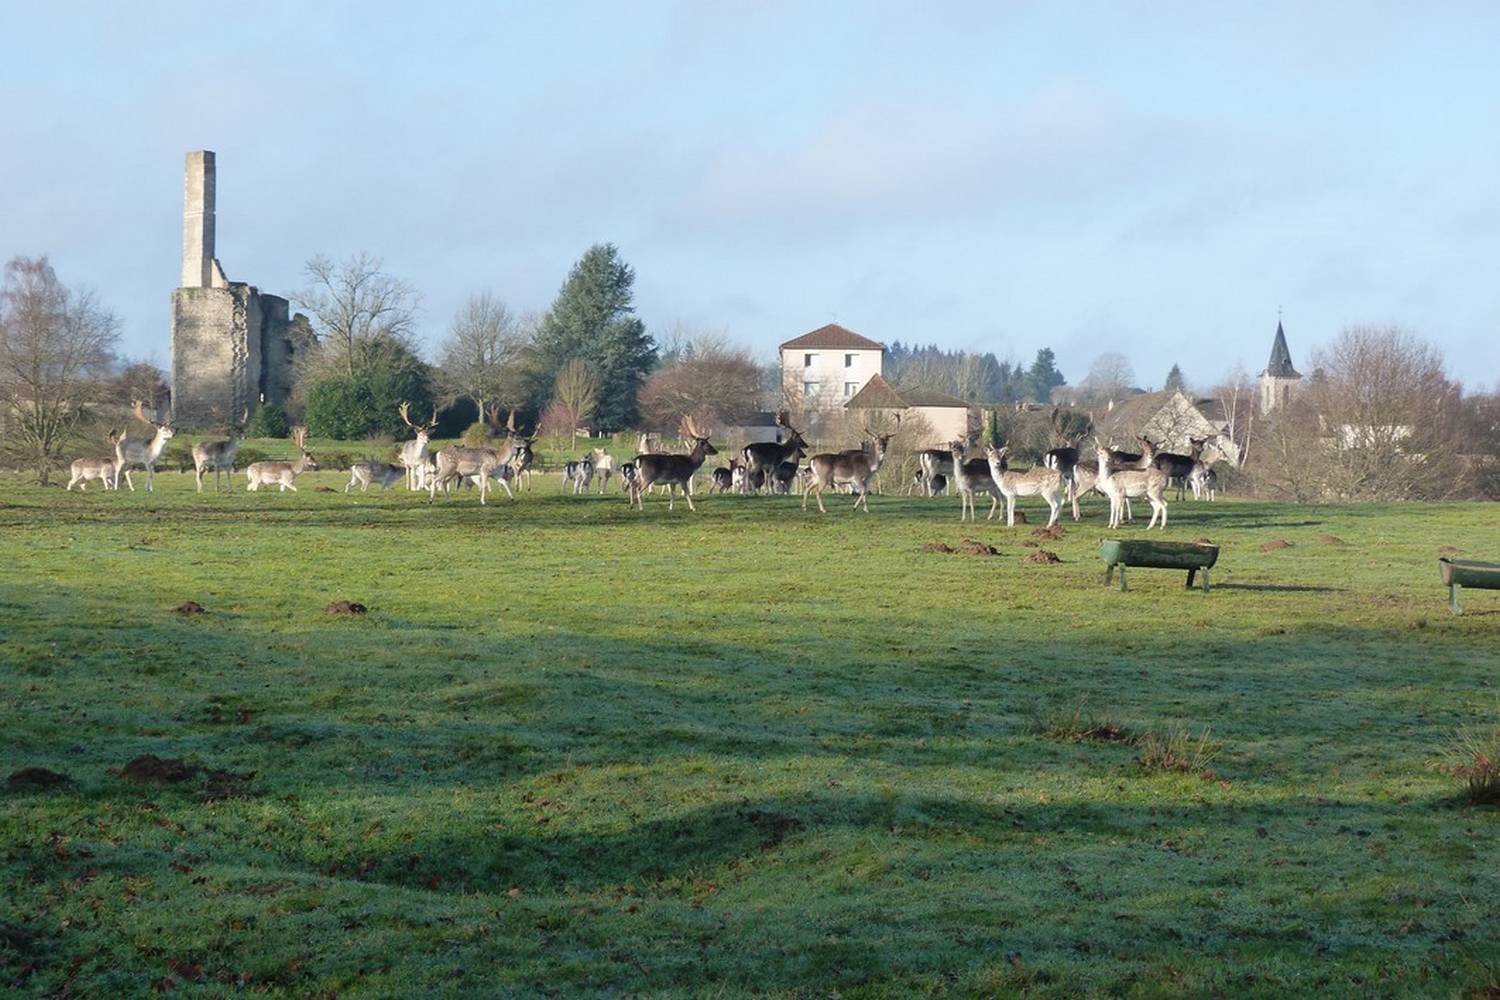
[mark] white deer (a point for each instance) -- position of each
(143, 451)
(283, 474)
(414, 453)
(85, 469)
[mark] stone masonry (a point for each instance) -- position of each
(233, 347)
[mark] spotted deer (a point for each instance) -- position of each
(1121, 484)
(282, 474)
(143, 451)
(854, 468)
(414, 453)
(219, 455)
(84, 470)
(1038, 481)
(671, 471)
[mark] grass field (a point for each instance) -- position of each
(577, 749)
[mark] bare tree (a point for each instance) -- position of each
(1236, 396)
(713, 382)
(480, 359)
(577, 389)
(1109, 377)
(358, 310)
(55, 346)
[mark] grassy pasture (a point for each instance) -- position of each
(577, 749)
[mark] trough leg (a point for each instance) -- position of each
(1122, 576)
(1453, 599)
(1205, 579)
(1192, 572)
(1109, 574)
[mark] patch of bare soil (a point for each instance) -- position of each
(227, 785)
(1449, 550)
(149, 769)
(1041, 556)
(189, 608)
(1051, 534)
(345, 608)
(774, 826)
(324, 489)
(29, 778)
(1205, 540)
(1272, 546)
(974, 547)
(942, 547)
(1021, 517)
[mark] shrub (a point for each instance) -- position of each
(349, 407)
(476, 435)
(1179, 751)
(1078, 724)
(270, 421)
(178, 455)
(249, 456)
(1473, 754)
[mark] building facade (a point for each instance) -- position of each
(943, 418)
(233, 346)
(822, 370)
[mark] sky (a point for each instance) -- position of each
(1156, 179)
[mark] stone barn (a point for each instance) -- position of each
(233, 346)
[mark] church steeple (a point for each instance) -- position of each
(1280, 377)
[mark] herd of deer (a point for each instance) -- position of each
(775, 467)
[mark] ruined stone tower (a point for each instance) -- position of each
(232, 346)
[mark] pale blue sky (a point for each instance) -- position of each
(1153, 178)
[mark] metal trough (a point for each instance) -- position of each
(1467, 573)
(1191, 556)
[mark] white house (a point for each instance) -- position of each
(822, 370)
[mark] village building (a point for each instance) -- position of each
(944, 418)
(822, 370)
(1279, 380)
(1171, 419)
(233, 346)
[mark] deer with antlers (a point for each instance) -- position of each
(414, 453)
(457, 462)
(84, 470)
(764, 458)
(853, 468)
(672, 471)
(282, 474)
(142, 451)
(219, 455)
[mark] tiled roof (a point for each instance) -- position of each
(834, 338)
(878, 394)
(1280, 365)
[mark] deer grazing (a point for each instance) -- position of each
(1039, 481)
(283, 474)
(457, 462)
(671, 471)
(763, 458)
(1121, 484)
(414, 453)
(143, 451)
(855, 468)
(382, 474)
(219, 455)
(85, 469)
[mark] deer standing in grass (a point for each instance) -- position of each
(457, 462)
(671, 471)
(382, 474)
(970, 477)
(85, 469)
(1121, 484)
(764, 458)
(282, 474)
(219, 455)
(143, 451)
(853, 468)
(1034, 482)
(414, 453)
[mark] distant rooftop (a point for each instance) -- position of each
(832, 338)
(878, 394)
(1280, 365)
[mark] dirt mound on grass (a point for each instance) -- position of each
(1041, 556)
(974, 547)
(149, 769)
(1021, 517)
(1051, 534)
(189, 608)
(1330, 540)
(227, 785)
(942, 547)
(1449, 550)
(773, 826)
(1205, 540)
(28, 778)
(345, 608)
(1272, 546)
(324, 489)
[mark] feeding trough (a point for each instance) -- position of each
(1150, 554)
(1467, 573)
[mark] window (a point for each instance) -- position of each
(848, 361)
(809, 389)
(808, 360)
(850, 388)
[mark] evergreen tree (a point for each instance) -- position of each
(1175, 379)
(593, 320)
(1043, 376)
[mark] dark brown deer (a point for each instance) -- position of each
(672, 471)
(763, 458)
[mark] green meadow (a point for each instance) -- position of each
(575, 749)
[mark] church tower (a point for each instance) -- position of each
(1279, 380)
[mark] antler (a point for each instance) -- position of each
(432, 421)
(405, 411)
(139, 409)
(299, 437)
(510, 421)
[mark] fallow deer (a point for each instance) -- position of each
(143, 451)
(85, 469)
(1038, 481)
(763, 458)
(283, 474)
(414, 453)
(382, 474)
(853, 468)
(671, 471)
(934, 462)
(1121, 484)
(456, 462)
(969, 477)
(219, 455)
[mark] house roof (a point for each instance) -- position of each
(833, 337)
(878, 394)
(1280, 365)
